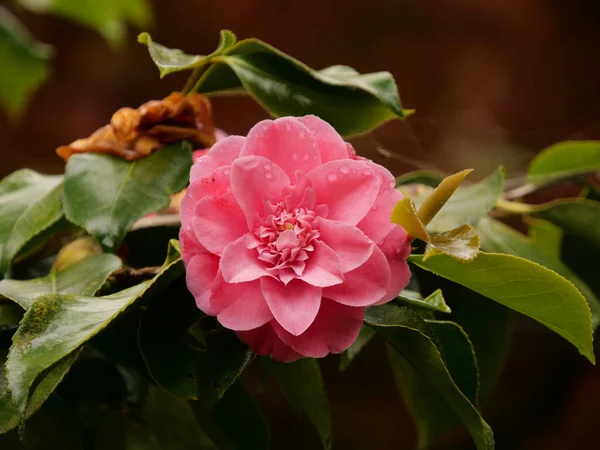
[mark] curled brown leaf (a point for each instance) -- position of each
(135, 133)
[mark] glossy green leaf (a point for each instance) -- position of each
(353, 103)
(24, 64)
(459, 355)
(107, 17)
(461, 243)
(302, 385)
(469, 203)
(546, 236)
(364, 337)
(84, 278)
(433, 302)
(57, 324)
(564, 160)
(170, 356)
(29, 204)
(523, 286)
(173, 422)
(106, 195)
(239, 421)
(417, 347)
(177, 362)
(174, 60)
(45, 385)
(500, 238)
(485, 322)
(487, 325)
(576, 217)
(425, 177)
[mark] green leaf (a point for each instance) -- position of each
(106, 195)
(174, 60)
(173, 422)
(459, 355)
(432, 204)
(352, 103)
(364, 337)
(487, 325)
(118, 430)
(173, 357)
(523, 286)
(433, 302)
(469, 203)
(564, 160)
(546, 236)
(239, 421)
(417, 347)
(84, 277)
(29, 204)
(462, 243)
(425, 177)
(107, 17)
(302, 385)
(45, 385)
(57, 324)
(24, 64)
(500, 238)
(575, 216)
(485, 322)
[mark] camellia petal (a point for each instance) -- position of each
(324, 268)
(348, 242)
(223, 153)
(349, 188)
(218, 222)
(377, 223)
(333, 331)
(255, 179)
(296, 313)
(365, 285)
(247, 307)
(201, 273)
(329, 142)
(264, 341)
(286, 238)
(240, 264)
(286, 142)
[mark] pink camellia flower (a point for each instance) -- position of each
(286, 238)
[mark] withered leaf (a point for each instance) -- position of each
(135, 133)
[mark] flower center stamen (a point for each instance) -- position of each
(284, 240)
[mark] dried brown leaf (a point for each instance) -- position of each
(135, 133)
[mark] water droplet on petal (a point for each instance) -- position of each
(295, 156)
(331, 176)
(367, 171)
(374, 207)
(306, 157)
(267, 167)
(344, 169)
(268, 175)
(226, 171)
(392, 184)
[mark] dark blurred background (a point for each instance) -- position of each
(492, 82)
